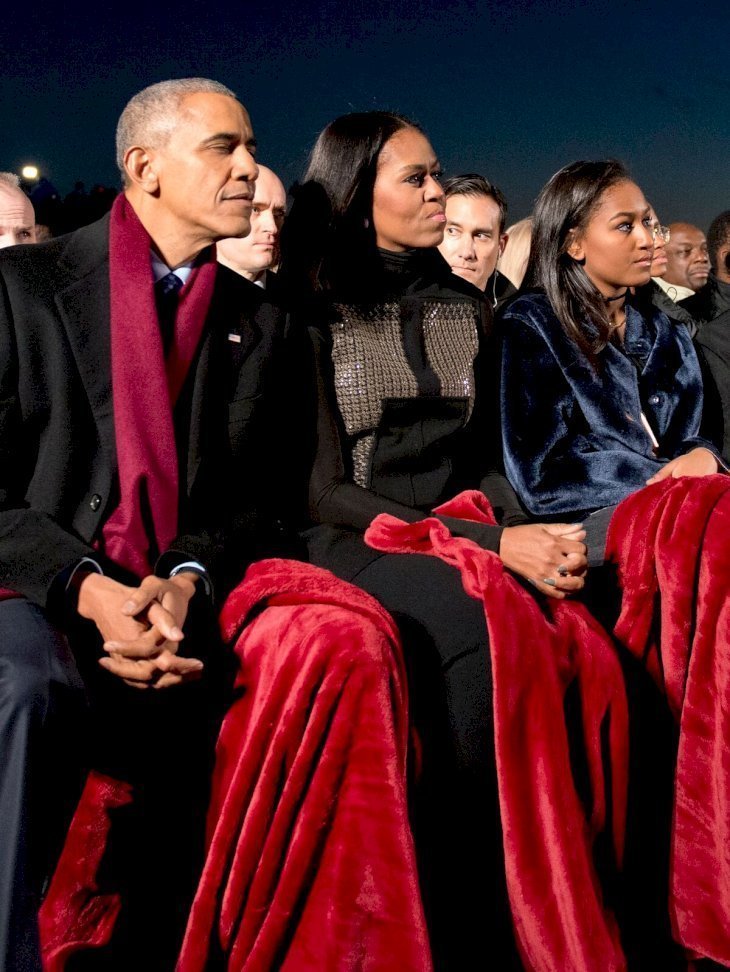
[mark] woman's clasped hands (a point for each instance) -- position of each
(551, 556)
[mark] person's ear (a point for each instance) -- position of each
(502, 244)
(574, 247)
(140, 166)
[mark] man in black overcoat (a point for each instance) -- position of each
(82, 631)
(710, 307)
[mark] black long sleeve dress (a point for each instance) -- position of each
(406, 418)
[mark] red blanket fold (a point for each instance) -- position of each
(76, 915)
(560, 920)
(311, 862)
(672, 544)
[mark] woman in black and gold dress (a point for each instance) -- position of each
(406, 401)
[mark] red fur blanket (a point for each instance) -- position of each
(311, 863)
(304, 871)
(537, 651)
(672, 544)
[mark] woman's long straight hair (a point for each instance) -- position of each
(564, 209)
(328, 237)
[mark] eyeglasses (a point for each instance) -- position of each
(662, 231)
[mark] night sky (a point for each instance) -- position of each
(511, 90)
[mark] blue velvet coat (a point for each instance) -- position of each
(574, 441)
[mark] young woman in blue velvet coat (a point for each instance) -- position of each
(598, 397)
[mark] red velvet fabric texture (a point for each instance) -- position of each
(311, 864)
(75, 916)
(672, 544)
(145, 388)
(560, 920)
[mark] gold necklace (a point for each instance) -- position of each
(614, 326)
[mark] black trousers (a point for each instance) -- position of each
(41, 701)
(640, 893)
(61, 714)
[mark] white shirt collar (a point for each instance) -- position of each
(160, 269)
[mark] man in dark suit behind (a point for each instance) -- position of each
(710, 307)
(131, 418)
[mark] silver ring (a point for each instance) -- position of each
(563, 570)
(549, 581)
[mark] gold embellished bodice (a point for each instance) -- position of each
(399, 350)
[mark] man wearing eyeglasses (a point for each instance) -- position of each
(688, 263)
(657, 292)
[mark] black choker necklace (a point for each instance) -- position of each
(618, 296)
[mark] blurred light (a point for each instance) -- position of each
(29, 172)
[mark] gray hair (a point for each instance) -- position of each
(10, 179)
(151, 115)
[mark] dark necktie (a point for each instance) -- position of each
(167, 289)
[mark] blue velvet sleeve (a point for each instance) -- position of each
(547, 460)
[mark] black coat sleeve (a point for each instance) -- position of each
(713, 350)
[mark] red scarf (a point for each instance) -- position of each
(145, 388)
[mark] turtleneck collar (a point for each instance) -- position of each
(387, 275)
(402, 262)
(400, 271)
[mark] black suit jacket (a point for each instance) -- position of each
(713, 350)
(58, 468)
(710, 302)
(711, 307)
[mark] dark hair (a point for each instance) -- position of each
(329, 230)
(473, 184)
(717, 235)
(564, 207)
